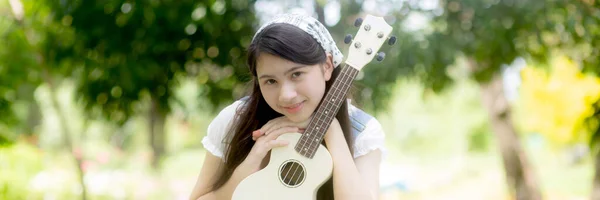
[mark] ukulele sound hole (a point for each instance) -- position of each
(291, 173)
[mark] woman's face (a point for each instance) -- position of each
(292, 89)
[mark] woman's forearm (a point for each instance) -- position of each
(208, 196)
(347, 181)
(239, 174)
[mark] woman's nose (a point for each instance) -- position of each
(287, 93)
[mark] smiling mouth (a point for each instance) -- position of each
(294, 108)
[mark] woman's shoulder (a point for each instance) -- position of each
(229, 111)
(215, 140)
(360, 119)
(367, 131)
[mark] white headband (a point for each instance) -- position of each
(313, 27)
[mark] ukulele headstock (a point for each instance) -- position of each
(372, 33)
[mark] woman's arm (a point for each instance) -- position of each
(352, 179)
(240, 173)
(203, 188)
(205, 179)
(250, 165)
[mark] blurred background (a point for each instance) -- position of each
(479, 99)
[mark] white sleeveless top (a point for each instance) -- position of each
(367, 131)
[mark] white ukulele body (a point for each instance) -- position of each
(269, 183)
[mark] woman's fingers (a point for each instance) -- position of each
(256, 134)
(276, 124)
(277, 143)
(270, 124)
(266, 143)
(270, 141)
(276, 133)
(277, 130)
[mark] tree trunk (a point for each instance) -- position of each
(25, 92)
(596, 184)
(33, 120)
(157, 134)
(47, 76)
(520, 178)
(33, 117)
(594, 150)
(77, 155)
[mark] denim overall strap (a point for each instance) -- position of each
(358, 120)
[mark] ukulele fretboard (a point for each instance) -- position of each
(320, 122)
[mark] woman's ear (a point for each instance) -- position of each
(328, 67)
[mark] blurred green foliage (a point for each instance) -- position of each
(493, 33)
(130, 49)
(124, 51)
(22, 39)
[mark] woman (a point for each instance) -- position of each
(293, 60)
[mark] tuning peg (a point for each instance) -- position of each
(380, 56)
(358, 22)
(392, 40)
(348, 39)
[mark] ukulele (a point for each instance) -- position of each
(297, 170)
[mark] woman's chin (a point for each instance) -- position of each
(295, 119)
(298, 118)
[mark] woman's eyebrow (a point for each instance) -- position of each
(295, 68)
(286, 72)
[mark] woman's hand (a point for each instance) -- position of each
(278, 123)
(263, 145)
(334, 129)
(266, 139)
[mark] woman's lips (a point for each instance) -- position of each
(294, 108)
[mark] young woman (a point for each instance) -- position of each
(294, 61)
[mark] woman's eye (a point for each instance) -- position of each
(296, 74)
(270, 82)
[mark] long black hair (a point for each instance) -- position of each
(293, 44)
